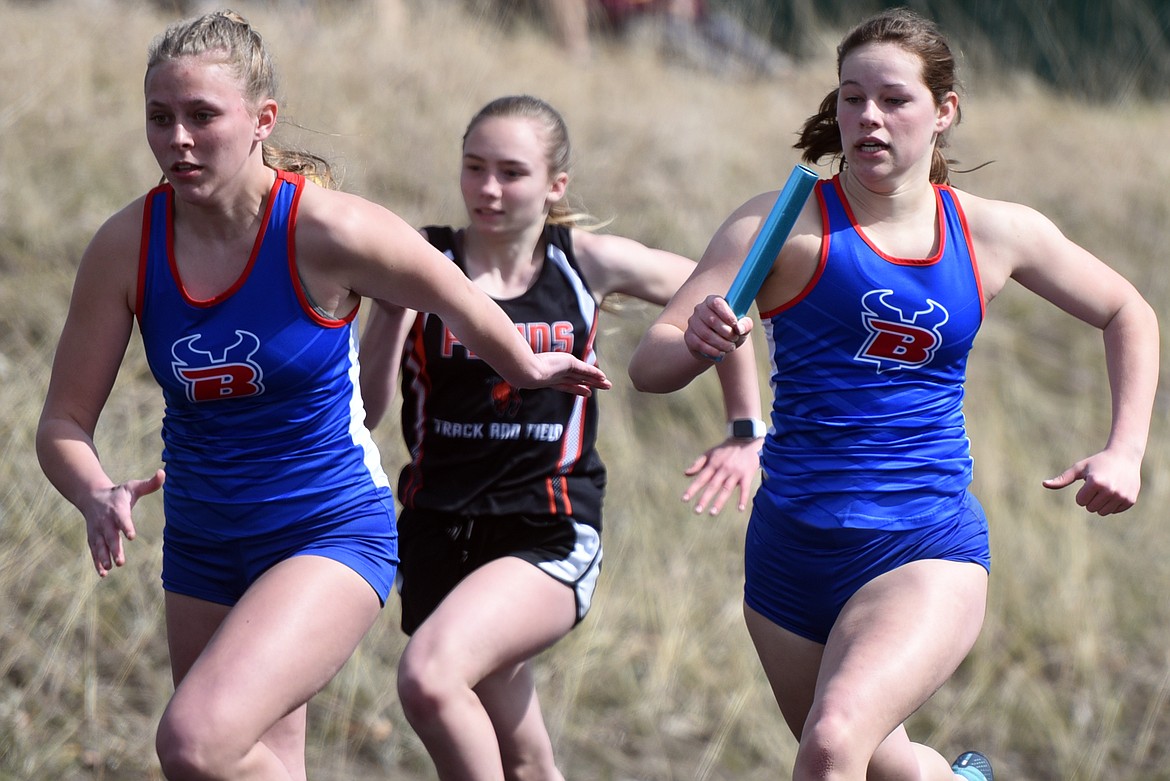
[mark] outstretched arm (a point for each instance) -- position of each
(369, 251)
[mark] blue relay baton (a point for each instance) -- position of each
(770, 239)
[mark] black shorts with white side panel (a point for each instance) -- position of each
(437, 550)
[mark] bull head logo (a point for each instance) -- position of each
(209, 376)
(899, 339)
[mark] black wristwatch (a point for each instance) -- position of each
(747, 428)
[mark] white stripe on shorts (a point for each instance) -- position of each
(579, 570)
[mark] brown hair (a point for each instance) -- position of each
(243, 51)
(820, 136)
(558, 152)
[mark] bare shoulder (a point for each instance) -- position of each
(589, 242)
(616, 264)
(1013, 240)
(744, 223)
(330, 222)
(989, 219)
(350, 246)
(337, 231)
(798, 257)
(735, 234)
(110, 262)
(122, 232)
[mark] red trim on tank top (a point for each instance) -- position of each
(835, 182)
(204, 303)
(821, 261)
(144, 254)
(298, 181)
(962, 215)
(940, 226)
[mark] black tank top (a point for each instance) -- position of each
(479, 446)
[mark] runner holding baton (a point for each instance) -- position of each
(770, 239)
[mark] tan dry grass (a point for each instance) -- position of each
(1069, 678)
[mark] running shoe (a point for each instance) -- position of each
(974, 766)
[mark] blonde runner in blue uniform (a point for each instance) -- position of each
(501, 527)
(234, 366)
(866, 558)
(279, 543)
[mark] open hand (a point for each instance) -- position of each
(728, 467)
(564, 372)
(108, 519)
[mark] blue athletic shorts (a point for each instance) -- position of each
(800, 576)
(220, 570)
(439, 549)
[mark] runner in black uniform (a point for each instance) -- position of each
(500, 533)
(481, 449)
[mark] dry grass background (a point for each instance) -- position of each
(1071, 676)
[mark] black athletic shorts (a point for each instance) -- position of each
(436, 550)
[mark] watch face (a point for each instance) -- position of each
(744, 429)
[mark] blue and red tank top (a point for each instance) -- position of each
(868, 367)
(263, 408)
